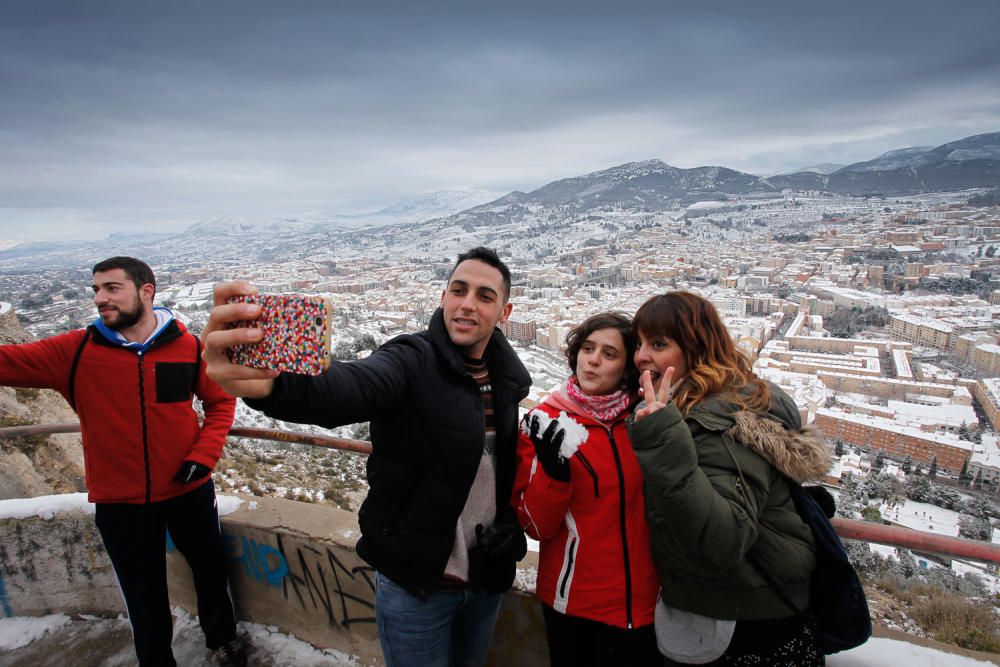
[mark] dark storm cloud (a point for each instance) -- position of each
(188, 110)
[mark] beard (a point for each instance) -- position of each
(118, 319)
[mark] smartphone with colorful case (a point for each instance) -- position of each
(297, 331)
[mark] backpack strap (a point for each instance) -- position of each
(742, 487)
(771, 582)
(751, 558)
(71, 393)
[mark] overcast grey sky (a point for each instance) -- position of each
(118, 116)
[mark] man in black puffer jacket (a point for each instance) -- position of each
(437, 524)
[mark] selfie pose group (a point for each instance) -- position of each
(655, 480)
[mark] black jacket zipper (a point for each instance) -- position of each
(622, 517)
(145, 439)
(590, 469)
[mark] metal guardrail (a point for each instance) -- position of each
(345, 444)
(846, 528)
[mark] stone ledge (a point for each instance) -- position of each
(291, 565)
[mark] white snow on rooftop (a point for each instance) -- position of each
(988, 454)
(895, 426)
(950, 413)
(922, 516)
(699, 205)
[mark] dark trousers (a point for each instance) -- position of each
(135, 538)
(783, 642)
(579, 642)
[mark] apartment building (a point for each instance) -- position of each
(920, 330)
(876, 433)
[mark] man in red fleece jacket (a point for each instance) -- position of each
(131, 376)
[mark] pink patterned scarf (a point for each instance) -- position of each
(603, 408)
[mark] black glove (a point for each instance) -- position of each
(191, 471)
(547, 447)
(493, 560)
(502, 542)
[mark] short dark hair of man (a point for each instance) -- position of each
(136, 269)
(486, 256)
(617, 321)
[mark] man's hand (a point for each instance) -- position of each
(502, 542)
(191, 471)
(547, 447)
(236, 380)
(655, 399)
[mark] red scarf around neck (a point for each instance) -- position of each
(603, 408)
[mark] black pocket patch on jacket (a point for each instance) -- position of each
(174, 381)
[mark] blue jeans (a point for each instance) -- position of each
(450, 627)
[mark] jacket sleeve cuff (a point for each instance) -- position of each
(647, 433)
(272, 401)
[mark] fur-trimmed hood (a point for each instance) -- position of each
(801, 454)
(798, 451)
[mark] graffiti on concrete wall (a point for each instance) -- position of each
(314, 578)
(4, 602)
(261, 561)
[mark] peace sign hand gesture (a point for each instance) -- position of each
(655, 400)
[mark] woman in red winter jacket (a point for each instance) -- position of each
(579, 493)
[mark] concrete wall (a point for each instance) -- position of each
(292, 565)
(56, 565)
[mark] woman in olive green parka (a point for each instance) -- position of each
(716, 445)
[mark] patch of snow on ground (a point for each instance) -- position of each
(107, 643)
(894, 653)
(883, 550)
(21, 631)
(269, 647)
(990, 580)
(525, 579)
(288, 650)
(228, 504)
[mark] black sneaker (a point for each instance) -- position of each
(233, 653)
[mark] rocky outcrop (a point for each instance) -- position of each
(36, 465)
(11, 330)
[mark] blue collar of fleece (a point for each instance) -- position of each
(163, 318)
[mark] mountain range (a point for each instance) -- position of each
(646, 186)
(972, 162)
(653, 185)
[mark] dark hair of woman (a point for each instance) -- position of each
(617, 321)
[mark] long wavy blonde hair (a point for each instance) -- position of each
(714, 364)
